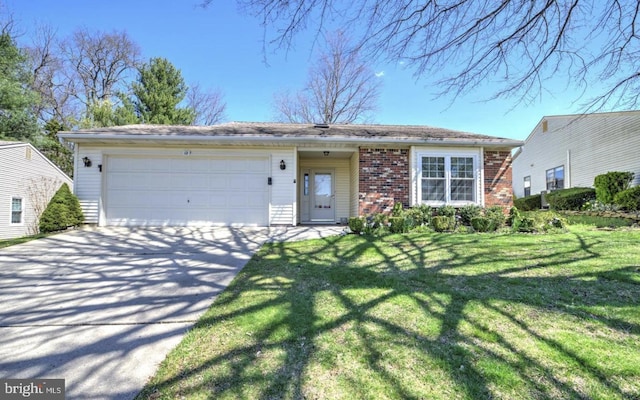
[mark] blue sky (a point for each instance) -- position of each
(219, 47)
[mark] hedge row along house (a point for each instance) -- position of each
(263, 174)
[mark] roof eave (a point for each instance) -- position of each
(87, 138)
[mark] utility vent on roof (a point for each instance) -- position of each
(322, 126)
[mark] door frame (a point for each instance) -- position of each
(306, 195)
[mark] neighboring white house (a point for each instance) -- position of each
(264, 174)
(565, 151)
(28, 180)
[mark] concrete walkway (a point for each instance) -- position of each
(101, 307)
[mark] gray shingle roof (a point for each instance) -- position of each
(266, 131)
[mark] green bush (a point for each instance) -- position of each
(397, 210)
(399, 224)
(528, 203)
(483, 224)
(446, 211)
(421, 215)
(609, 184)
(496, 215)
(443, 223)
(628, 199)
(356, 224)
(570, 199)
(468, 212)
(62, 212)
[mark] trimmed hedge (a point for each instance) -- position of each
(62, 212)
(609, 184)
(628, 199)
(570, 199)
(528, 203)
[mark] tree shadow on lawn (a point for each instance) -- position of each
(422, 316)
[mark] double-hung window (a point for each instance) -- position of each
(448, 179)
(527, 186)
(16, 210)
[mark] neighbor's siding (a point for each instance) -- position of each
(342, 181)
(22, 166)
(587, 146)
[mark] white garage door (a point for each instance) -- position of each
(157, 191)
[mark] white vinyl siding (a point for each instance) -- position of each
(354, 169)
(27, 175)
(586, 146)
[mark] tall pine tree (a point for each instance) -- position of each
(158, 93)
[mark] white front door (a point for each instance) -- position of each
(322, 196)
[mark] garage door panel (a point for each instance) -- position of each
(187, 191)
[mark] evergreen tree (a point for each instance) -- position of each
(17, 119)
(158, 92)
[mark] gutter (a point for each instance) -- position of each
(78, 138)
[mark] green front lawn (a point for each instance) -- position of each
(421, 316)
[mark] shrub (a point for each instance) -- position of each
(537, 221)
(446, 211)
(628, 199)
(62, 212)
(468, 212)
(443, 223)
(356, 224)
(399, 224)
(421, 215)
(528, 203)
(609, 184)
(496, 214)
(397, 210)
(570, 199)
(483, 224)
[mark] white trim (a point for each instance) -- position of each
(478, 171)
(22, 211)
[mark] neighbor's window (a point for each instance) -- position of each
(447, 180)
(16, 210)
(527, 186)
(555, 178)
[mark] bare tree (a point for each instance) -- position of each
(208, 105)
(341, 88)
(513, 45)
(98, 63)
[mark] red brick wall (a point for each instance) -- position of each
(384, 180)
(498, 189)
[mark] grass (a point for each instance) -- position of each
(11, 242)
(433, 316)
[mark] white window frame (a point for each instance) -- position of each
(527, 185)
(448, 155)
(11, 211)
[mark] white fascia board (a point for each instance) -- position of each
(78, 138)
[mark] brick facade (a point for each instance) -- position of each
(384, 180)
(498, 189)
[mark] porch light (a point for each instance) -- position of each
(283, 166)
(86, 161)
(326, 153)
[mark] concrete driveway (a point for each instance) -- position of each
(102, 307)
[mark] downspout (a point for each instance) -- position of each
(568, 170)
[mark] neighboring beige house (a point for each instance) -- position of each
(264, 174)
(28, 180)
(565, 151)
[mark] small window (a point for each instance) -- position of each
(555, 178)
(527, 186)
(16, 210)
(306, 185)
